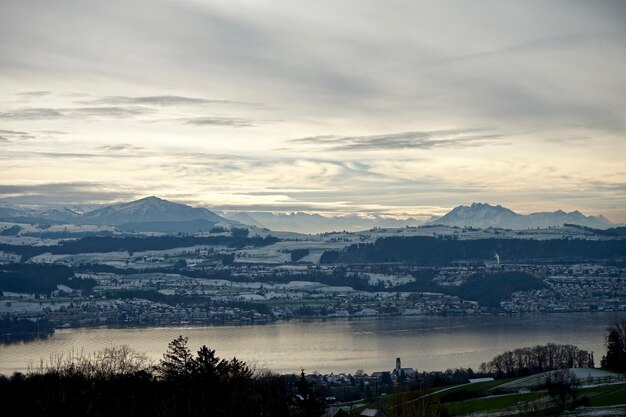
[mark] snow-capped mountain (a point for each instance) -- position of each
(315, 223)
(150, 214)
(242, 217)
(62, 214)
(482, 215)
(158, 215)
(12, 211)
(147, 210)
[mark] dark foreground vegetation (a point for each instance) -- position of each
(121, 382)
(531, 360)
(615, 357)
(422, 250)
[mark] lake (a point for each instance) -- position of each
(425, 343)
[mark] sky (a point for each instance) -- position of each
(396, 108)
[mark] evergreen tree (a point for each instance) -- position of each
(178, 360)
(207, 365)
(615, 357)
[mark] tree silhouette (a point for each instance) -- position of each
(615, 357)
(178, 360)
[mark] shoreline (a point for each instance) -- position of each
(297, 320)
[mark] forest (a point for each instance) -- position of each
(102, 244)
(420, 250)
(40, 278)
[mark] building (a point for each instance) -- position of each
(400, 371)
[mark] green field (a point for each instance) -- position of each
(605, 396)
(460, 408)
(466, 399)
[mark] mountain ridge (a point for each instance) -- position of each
(145, 214)
(315, 223)
(149, 212)
(484, 215)
(146, 210)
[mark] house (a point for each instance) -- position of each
(334, 412)
(372, 412)
(477, 380)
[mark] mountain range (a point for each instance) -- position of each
(482, 215)
(153, 214)
(150, 214)
(315, 223)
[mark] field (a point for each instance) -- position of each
(599, 393)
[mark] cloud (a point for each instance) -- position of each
(52, 132)
(216, 121)
(34, 93)
(15, 135)
(120, 147)
(10, 135)
(32, 113)
(113, 111)
(155, 101)
(78, 156)
(63, 193)
(403, 140)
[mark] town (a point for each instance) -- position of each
(218, 284)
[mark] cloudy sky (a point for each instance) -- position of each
(394, 107)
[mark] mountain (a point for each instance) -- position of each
(150, 214)
(147, 210)
(153, 214)
(315, 223)
(482, 215)
(11, 211)
(242, 217)
(62, 214)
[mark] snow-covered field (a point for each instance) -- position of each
(585, 375)
(389, 280)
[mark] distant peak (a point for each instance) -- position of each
(483, 215)
(151, 198)
(480, 205)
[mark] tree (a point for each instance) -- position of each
(228, 258)
(178, 360)
(180, 264)
(562, 385)
(239, 233)
(119, 360)
(298, 254)
(615, 357)
(303, 386)
(386, 383)
(208, 365)
(310, 404)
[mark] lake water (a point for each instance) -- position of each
(425, 343)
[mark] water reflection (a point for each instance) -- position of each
(426, 343)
